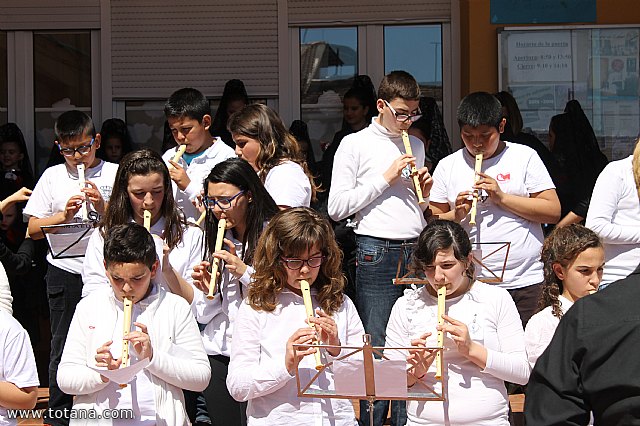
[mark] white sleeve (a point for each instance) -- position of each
(186, 366)
(40, 202)
(250, 377)
(5, 292)
(537, 178)
(18, 365)
(350, 328)
(288, 185)
(346, 195)
(607, 195)
(94, 276)
(534, 342)
(204, 309)
(441, 178)
(396, 334)
(509, 363)
(74, 375)
(192, 249)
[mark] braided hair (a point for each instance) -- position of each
(562, 247)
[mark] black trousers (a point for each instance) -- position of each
(223, 409)
(64, 291)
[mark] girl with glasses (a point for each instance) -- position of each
(298, 244)
(143, 183)
(262, 139)
(232, 192)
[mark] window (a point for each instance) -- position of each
(4, 90)
(328, 63)
(61, 81)
(543, 70)
(416, 49)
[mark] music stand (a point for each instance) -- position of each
(68, 240)
(496, 249)
(419, 391)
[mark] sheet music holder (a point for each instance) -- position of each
(378, 378)
(484, 253)
(495, 253)
(413, 276)
(68, 240)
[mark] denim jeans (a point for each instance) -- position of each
(64, 291)
(377, 266)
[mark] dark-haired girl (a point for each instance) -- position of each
(232, 192)
(483, 337)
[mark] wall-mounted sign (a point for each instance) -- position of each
(542, 11)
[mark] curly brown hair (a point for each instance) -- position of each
(289, 234)
(562, 247)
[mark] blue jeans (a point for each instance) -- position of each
(377, 266)
(64, 291)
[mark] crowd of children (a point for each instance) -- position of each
(206, 252)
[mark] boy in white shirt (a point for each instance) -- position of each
(189, 116)
(165, 339)
(372, 179)
(55, 200)
(18, 374)
(516, 196)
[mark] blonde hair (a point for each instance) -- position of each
(289, 234)
(636, 166)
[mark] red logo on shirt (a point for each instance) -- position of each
(503, 177)
(91, 327)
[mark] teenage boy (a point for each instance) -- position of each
(189, 116)
(516, 196)
(372, 179)
(55, 200)
(165, 337)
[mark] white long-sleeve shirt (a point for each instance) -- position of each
(257, 371)
(614, 214)
(358, 186)
(472, 396)
(186, 254)
(179, 361)
(197, 170)
(540, 329)
(219, 314)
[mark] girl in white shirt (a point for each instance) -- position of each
(298, 244)
(262, 139)
(573, 259)
(232, 192)
(483, 337)
(143, 183)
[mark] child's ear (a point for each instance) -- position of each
(380, 105)
(557, 269)
(154, 268)
(97, 141)
(503, 122)
(206, 121)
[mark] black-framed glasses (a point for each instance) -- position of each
(404, 117)
(223, 203)
(82, 150)
(295, 264)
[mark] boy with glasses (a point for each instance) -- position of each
(55, 200)
(189, 116)
(372, 179)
